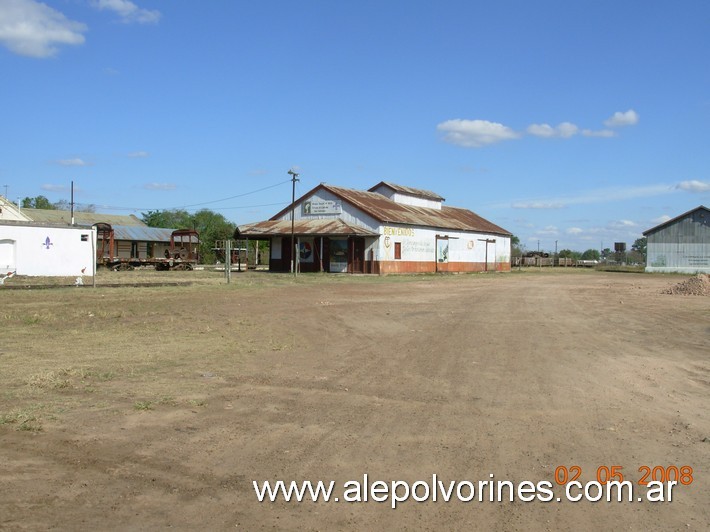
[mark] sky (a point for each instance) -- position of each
(570, 124)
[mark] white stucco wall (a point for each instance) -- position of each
(46, 251)
(419, 245)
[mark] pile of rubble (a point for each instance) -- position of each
(698, 285)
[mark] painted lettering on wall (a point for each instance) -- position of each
(397, 231)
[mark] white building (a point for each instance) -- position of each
(32, 249)
(386, 229)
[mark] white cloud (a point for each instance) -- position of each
(128, 11)
(661, 219)
(618, 119)
(574, 231)
(159, 186)
(478, 133)
(603, 195)
(54, 188)
(622, 224)
(693, 186)
(138, 154)
(549, 230)
(34, 29)
(604, 133)
(475, 133)
(563, 130)
(538, 205)
(73, 162)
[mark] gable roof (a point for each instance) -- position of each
(673, 220)
(384, 210)
(81, 218)
(409, 191)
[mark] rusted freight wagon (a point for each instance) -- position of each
(163, 249)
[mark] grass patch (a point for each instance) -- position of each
(54, 380)
(23, 419)
(143, 405)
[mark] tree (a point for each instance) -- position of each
(173, 219)
(569, 254)
(38, 202)
(591, 254)
(515, 249)
(210, 225)
(639, 246)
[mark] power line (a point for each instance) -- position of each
(114, 208)
(237, 196)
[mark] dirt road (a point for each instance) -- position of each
(512, 375)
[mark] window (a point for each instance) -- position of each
(397, 250)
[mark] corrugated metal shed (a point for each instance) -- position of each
(385, 210)
(327, 227)
(81, 218)
(681, 244)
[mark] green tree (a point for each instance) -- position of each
(210, 225)
(515, 249)
(38, 202)
(591, 254)
(170, 219)
(569, 254)
(639, 246)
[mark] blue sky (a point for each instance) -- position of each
(582, 122)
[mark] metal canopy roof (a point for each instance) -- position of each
(327, 227)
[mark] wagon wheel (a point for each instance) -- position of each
(183, 253)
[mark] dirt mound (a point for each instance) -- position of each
(698, 285)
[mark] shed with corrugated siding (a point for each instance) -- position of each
(680, 245)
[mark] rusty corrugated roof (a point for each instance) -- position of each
(81, 218)
(385, 210)
(324, 227)
(418, 192)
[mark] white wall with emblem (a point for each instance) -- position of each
(47, 251)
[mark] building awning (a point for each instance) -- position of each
(320, 227)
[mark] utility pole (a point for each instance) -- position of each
(555, 259)
(293, 175)
(72, 202)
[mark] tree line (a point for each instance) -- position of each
(41, 202)
(637, 253)
(210, 225)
